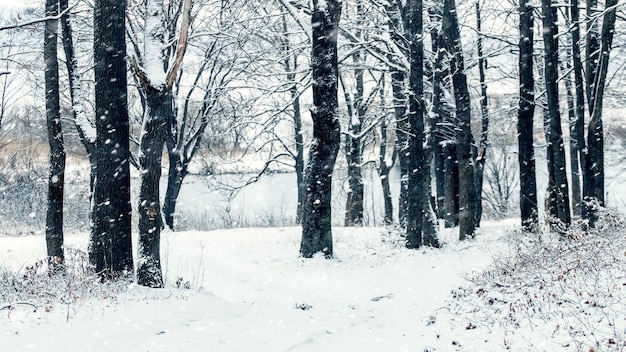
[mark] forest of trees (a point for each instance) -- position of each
(414, 85)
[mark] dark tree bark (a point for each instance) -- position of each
(110, 249)
(467, 190)
(525, 114)
(578, 128)
(593, 183)
(484, 112)
(592, 52)
(316, 221)
(56, 174)
(157, 82)
(158, 111)
(383, 166)
(383, 173)
(421, 225)
(398, 79)
(437, 110)
(451, 190)
(558, 182)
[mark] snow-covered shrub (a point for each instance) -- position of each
(23, 194)
(38, 287)
(23, 197)
(552, 292)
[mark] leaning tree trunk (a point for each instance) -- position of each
(525, 114)
(110, 250)
(153, 132)
(316, 221)
(560, 182)
(86, 128)
(56, 176)
(467, 191)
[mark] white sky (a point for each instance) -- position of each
(13, 3)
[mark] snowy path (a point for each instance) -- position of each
(250, 292)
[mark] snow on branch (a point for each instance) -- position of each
(294, 10)
(181, 47)
(38, 20)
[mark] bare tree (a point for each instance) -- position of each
(157, 75)
(110, 248)
(484, 114)
(421, 221)
(525, 114)
(56, 175)
(593, 176)
(558, 177)
(467, 190)
(316, 222)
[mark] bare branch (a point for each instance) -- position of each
(38, 20)
(181, 47)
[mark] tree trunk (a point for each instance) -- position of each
(110, 248)
(316, 221)
(594, 163)
(56, 175)
(560, 182)
(383, 167)
(421, 223)
(467, 190)
(573, 148)
(159, 108)
(578, 130)
(299, 159)
(397, 24)
(525, 114)
(451, 190)
(354, 149)
(438, 110)
(484, 112)
(290, 62)
(176, 174)
(399, 101)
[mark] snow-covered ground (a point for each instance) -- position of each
(247, 290)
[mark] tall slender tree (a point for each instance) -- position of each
(593, 182)
(56, 175)
(467, 190)
(421, 227)
(578, 128)
(484, 114)
(110, 248)
(316, 221)
(558, 180)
